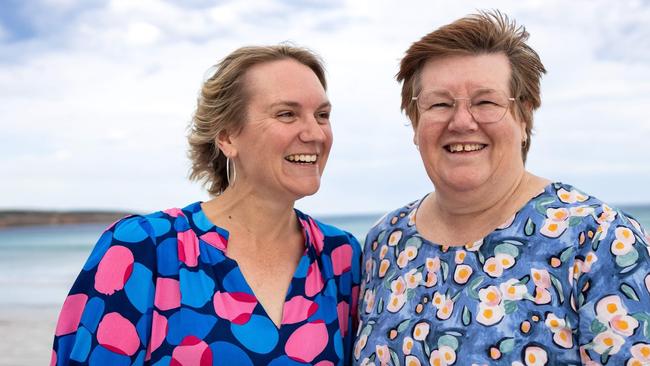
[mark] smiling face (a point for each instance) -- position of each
(461, 154)
(283, 146)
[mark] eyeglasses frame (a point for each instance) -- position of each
(469, 105)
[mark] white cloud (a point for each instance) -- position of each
(94, 111)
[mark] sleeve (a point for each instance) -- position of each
(356, 280)
(349, 327)
(612, 292)
(106, 317)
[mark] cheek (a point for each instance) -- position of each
(329, 137)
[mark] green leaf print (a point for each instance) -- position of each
(509, 249)
(524, 280)
(467, 316)
(509, 306)
(575, 220)
(529, 229)
(381, 236)
(558, 287)
(427, 350)
(366, 330)
(389, 278)
(445, 270)
(605, 356)
(597, 327)
(628, 269)
(629, 291)
(394, 357)
(595, 242)
(410, 294)
(481, 258)
(506, 345)
(414, 241)
(566, 254)
(627, 259)
(641, 316)
(513, 242)
(380, 305)
(540, 204)
(473, 287)
(447, 340)
(403, 325)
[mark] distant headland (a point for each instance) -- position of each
(14, 218)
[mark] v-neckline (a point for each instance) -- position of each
(226, 237)
(265, 312)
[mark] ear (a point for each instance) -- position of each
(529, 109)
(225, 143)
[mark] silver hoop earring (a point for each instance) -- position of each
(229, 178)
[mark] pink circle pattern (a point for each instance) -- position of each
(142, 299)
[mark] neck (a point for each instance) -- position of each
(453, 218)
(244, 211)
(483, 200)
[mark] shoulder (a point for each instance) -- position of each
(139, 232)
(566, 209)
(151, 226)
(608, 240)
(604, 215)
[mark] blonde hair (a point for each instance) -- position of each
(481, 33)
(222, 107)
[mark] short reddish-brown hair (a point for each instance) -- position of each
(481, 33)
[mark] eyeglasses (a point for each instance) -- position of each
(485, 105)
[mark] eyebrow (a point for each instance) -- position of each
(298, 105)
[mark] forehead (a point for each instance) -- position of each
(467, 72)
(286, 79)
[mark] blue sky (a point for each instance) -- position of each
(95, 96)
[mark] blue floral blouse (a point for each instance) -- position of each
(565, 281)
(159, 290)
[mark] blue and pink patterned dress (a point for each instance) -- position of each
(159, 290)
(565, 281)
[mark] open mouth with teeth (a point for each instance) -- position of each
(464, 148)
(302, 159)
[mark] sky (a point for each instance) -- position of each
(96, 96)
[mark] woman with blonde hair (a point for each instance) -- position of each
(244, 278)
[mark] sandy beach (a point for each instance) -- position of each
(27, 333)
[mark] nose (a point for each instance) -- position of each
(462, 120)
(312, 131)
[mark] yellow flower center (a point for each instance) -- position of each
(612, 308)
(645, 351)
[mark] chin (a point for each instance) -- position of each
(462, 182)
(304, 190)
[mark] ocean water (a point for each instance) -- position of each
(39, 264)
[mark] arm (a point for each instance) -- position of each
(611, 293)
(106, 318)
